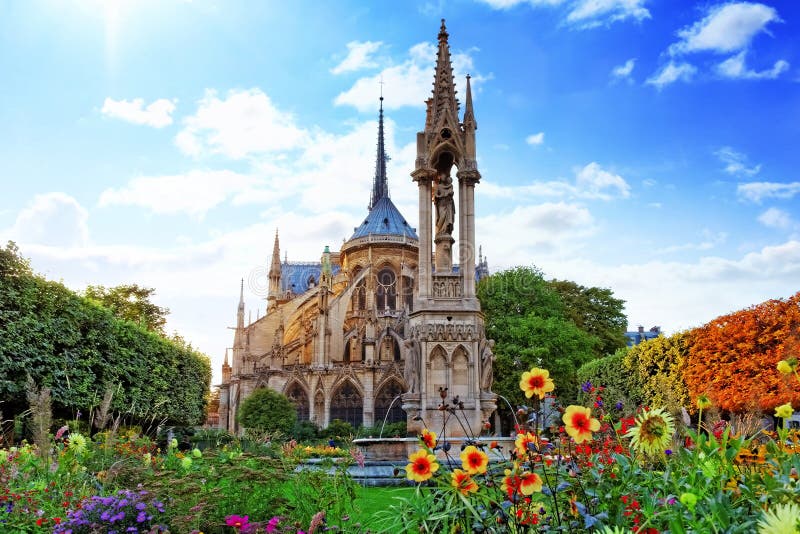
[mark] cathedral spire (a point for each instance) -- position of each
(469, 114)
(240, 311)
(274, 273)
(444, 91)
(380, 185)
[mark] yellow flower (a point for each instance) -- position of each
(147, 459)
(703, 402)
(428, 438)
(653, 432)
(536, 382)
(186, 462)
(780, 519)
(422, 465)
(522, 441)
(473, 460)
(784, 411)
(77, 443)
(579, 423)
(689, 500)
(529, 483)
(463, 482)
(197, 453)
(787, 366)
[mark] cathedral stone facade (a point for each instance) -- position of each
(388, 326)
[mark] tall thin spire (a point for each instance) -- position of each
(274, 273)
(240, 311)
(380, 185)
(469, 113)
(444, 92)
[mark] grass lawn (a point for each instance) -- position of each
(372, 500)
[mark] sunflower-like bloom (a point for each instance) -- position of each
(530, 482)
(579, 423)
(703, 402)
(536, 382)
(422, 465)
(784, 411)
(780, 519)
(77, 443)
(428, 438)
(522, 442)
(787, 367)
(653, 432)
(474, 460)
(463, 482)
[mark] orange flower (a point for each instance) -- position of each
(422, 465)
(428, 438)
(579, 423)
(473, 460)
(511, 485)
(529, 483)
(522, 441)
(463, 482)
(536, 382)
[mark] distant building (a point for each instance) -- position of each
(637, 336)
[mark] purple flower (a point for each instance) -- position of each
(668, 452)
(586, 386)
(618, 406)
(140, 506)
(141, 517)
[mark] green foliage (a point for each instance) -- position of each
(528, 321)
(596, 311)
(305, 431)
(621, 385)
(390, 430)
(131, 303)
(266, 410)
(338, 429)
(658, 365)
(78, 348)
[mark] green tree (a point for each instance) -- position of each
(267, 411)
(530, 326)
(620, 383)
(596, 311)
(659, 365)
(132, 303)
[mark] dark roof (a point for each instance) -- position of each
(296, 275)
(384, 219)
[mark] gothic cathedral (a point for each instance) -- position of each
(389, 326)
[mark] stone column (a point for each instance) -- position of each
(423, 179)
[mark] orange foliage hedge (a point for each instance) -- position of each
(732, 359)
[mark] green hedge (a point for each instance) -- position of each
(79, 349)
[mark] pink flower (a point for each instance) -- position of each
(273, 524)
(236, 521)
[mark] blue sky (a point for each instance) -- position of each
(646, 146)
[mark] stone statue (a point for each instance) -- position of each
(487, 359)
(411, 368)
(445, 206)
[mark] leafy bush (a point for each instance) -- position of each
(305, 431)
(338, 429)
(266, 410)
(620, 385)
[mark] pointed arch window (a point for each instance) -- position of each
(386, 290)
(299, 398)
(388, 405)
(348, 405)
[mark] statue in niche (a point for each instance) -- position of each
(445, 205)
(487, 359)
(411, 368)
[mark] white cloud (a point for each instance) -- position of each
(52, 219)
(757, 191)
(776, 218)
(242, 124)
(358, 56)
(591, 182)
(156, 114)
(534, 231)
(592, 13)
(194, 192)
(709, 240)
(535, 139)
(671, 73)
(736, 162)
(624, 71)
(734, 67)
(726, 28)
(408, 83)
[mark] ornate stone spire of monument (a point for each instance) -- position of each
(274, 273)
